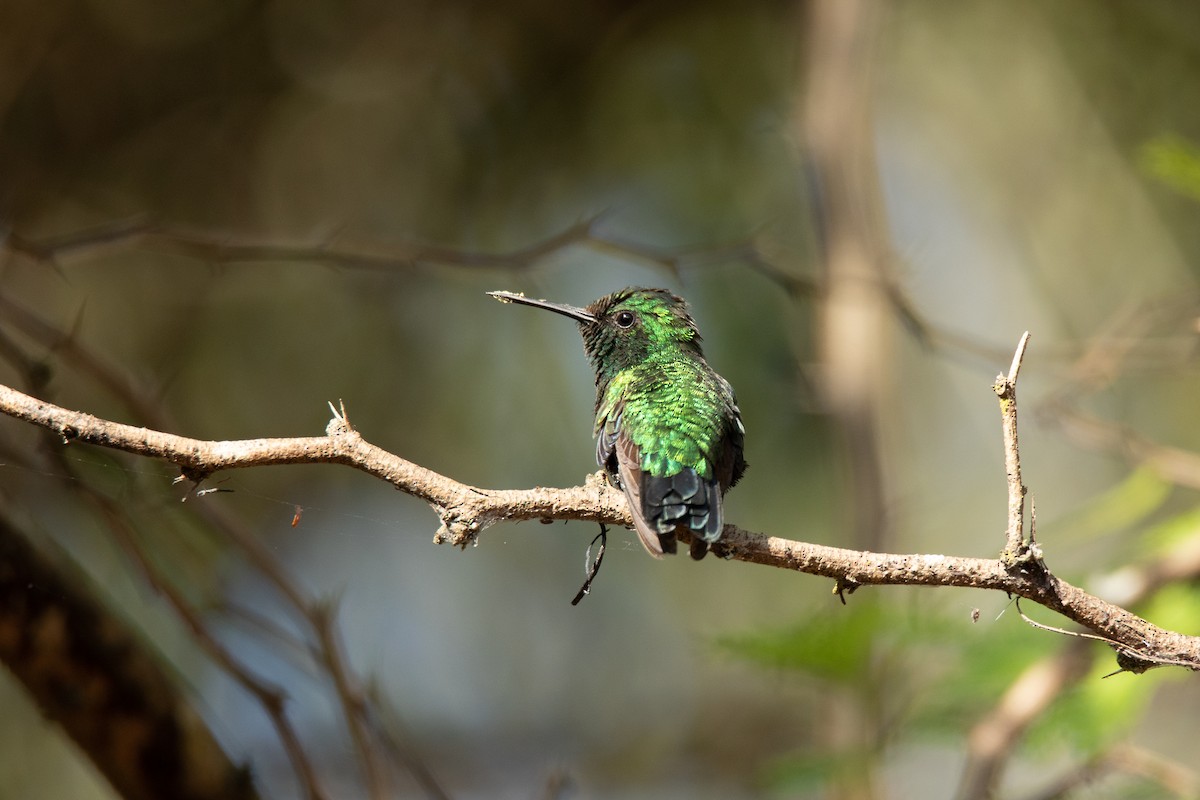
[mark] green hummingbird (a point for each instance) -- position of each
(668, 429)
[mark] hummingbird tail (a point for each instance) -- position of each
(683, 500)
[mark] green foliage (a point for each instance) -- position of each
(963, 665)
(925, 671)
(1124, 505)
(907, 668)
(832, 647)
(809, 772)
(1095, 713)
(1175, 161)
(1167, 534)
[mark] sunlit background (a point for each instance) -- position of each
(1035, 168)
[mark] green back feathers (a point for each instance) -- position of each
(674, 410)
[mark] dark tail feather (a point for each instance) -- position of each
(683, 500)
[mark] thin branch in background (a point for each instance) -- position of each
(392, 731)
(1106, 358)
(350, 696)
(270, 697)
(993, 738)
(1128, 759)
(65, 345)
(1173, 464)
(226, 248)
(266, 627)
(371, 708)
(221, 247)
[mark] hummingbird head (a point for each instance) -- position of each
(626, 328)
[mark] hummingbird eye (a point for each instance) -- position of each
(624, 319)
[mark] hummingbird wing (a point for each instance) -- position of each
(621, 459)
(732, 465)
(633, 481)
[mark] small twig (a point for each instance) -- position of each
(590, 568)
(1014, 369)
(1052, 629)
(1005, 387)
(843, 587)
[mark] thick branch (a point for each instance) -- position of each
(466, 510)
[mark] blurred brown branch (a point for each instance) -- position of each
(226, 248)
(465, 511)
(855, 248)
(88, 672)
(1173, 777)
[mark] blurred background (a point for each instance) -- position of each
(218, 216)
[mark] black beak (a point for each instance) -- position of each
(580, 315)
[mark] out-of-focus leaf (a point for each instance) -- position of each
(1095, 713)
(1175, 161)
(833, 646)
(1170, 532)
(990, 655)
(796, 775)
(1129, 502)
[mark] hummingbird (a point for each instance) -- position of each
(668, 430)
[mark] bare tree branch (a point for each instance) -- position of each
(465, 511)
